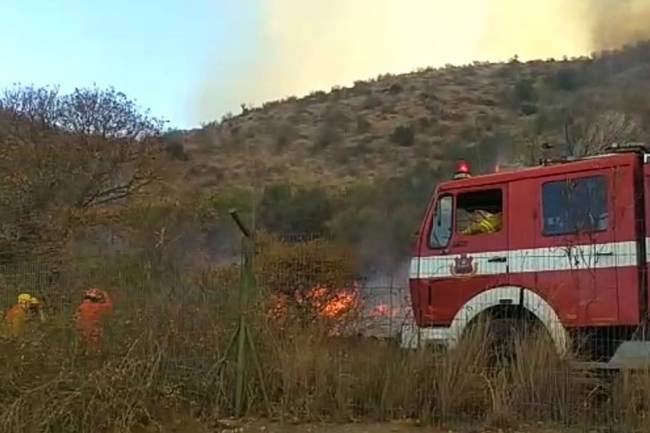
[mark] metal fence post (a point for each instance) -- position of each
(245, 340)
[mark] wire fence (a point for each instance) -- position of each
(331, 343)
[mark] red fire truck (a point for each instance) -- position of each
(563, 245)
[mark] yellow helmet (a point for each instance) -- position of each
(34, 301)
(24, 298)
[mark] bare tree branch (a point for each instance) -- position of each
(591, 135)
(81, 150)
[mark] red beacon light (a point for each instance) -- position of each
(462, 170)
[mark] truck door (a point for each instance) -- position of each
(462, 253)
(478, 250)
(578, 261)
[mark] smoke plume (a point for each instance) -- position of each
(304, 46)
(619, 22)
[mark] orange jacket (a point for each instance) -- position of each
(16, 320)
(90, 315)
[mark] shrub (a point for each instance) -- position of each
(567, 79)
(285, 133)
(525, 90)
(289, 211)
(363, 126)
(318, 95)
(372, 102)
(403, 135)
(327, 135)
(336, 117)
(395, 89)
(176, 150)
(528, 108)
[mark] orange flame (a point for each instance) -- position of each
(279, 307)
(343, 303)
(326, 303)
(333, 305)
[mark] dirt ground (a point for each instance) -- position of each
(347, 428)
(188, 426)
(185, 425)
(388, 427)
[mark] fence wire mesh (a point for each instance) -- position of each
(330, 341)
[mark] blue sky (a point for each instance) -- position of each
(158, 52)
(191, 61)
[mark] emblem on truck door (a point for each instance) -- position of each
(463, 266)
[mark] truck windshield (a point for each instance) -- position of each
(442, 223)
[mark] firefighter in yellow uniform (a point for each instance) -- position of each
(17, 316)
(26, 310)
(36, 310)
(484, 222)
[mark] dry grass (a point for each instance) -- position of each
(165, 357)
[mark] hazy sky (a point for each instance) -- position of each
(192, 60)
(156, 51)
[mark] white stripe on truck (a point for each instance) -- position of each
(554, 259)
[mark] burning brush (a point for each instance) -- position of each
(336, 308)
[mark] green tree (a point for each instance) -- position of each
(403, 135)
(290, 211)
(567, 79)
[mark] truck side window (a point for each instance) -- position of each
(479, 212)
(442, 222)
(573, 206)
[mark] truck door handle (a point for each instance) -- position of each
(460, 244)
(604, 253)
(497, 260)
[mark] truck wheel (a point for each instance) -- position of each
(508, 336)
(502, 339)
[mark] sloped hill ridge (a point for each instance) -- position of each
(384, 127)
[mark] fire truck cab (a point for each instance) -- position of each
(565, 243)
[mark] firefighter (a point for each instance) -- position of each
(91, 316)
(36, 310)
(17, 317)
(484, 222)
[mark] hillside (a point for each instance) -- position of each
(382, 128)
(357, 164)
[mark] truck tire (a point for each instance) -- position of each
(508, 336)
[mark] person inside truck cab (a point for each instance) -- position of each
(478, 221)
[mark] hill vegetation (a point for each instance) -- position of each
(360, 163)
(357, 164)
(385, 127)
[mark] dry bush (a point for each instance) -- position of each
(158, 355)
(166, 350)
(302, 281)
(169, 354)
(64, 155)
(630, 401)
(460, 388)
(541, 380)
